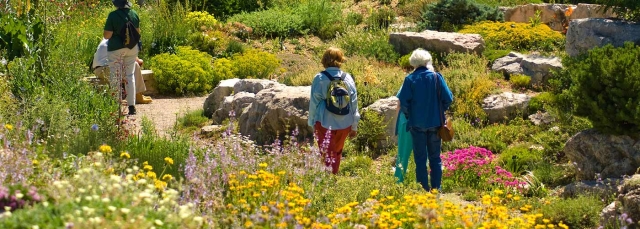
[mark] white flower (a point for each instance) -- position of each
(112, 208)
(197, 219)
(82, 190)
(19, 195)
(35, 227)
(105, 200)
(125, 210)
(158, 222)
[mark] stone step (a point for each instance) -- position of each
(149, 82)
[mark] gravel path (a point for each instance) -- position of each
(163, 111)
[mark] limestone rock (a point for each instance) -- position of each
(595, 153)
(210, 129)
(603, 188)
(505, 105)
(388, 109)
(254, 85)
(435, 41)
(585, 34)
(539, 68)
(215, 99)
(629, 198)
(553, 15)
(541, 118)
(277, 111)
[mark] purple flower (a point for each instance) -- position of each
(94, 127)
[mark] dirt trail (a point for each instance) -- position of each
(163, 111)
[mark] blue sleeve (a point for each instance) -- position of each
(404, 96)
(314, 100)
(446, 97)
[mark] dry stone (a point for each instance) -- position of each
(215, 99)
(254, 85)
(537, 67)
(585, 34)
(505, 105)
(277, 111)
(435, 41)
(388, 109)
(595, 153)
(554, 15)
(629, 198)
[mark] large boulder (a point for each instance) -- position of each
(629, 198)
(275, 112)
(434, 41)
(236, 103)
(554, 15)
(388, 109)
(610, 156)
(506, 105)
(537, 67)
(585, 34)
(254, 85)
(215, 99)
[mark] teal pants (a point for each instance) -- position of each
(405, 146)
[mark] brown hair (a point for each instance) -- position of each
(333, 57)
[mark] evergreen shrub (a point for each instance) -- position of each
(254, 64)
(450, 15)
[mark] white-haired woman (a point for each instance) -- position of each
(424, 97)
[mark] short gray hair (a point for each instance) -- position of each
(421, 57)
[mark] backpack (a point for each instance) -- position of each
(338, 99)
(129, 34)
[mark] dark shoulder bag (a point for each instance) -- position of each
(446, 130)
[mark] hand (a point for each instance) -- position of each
(353, 134)
(140, 62)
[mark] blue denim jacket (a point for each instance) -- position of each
(419, 100)
(317, 105)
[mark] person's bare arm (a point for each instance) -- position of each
(107, 34)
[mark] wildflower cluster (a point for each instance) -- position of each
(159, 182)
(16, 197)
(474, 167)
(427, 211)
(516, 36)
(264, 199)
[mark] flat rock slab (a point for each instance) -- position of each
(434, 41)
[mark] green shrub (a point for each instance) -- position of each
(254, 64)
(519, 159)
(371, 130)
(186, 72)
(368, 44)
(450, 15)
(318, 14)
(354, 18)
(381, 18)
(200, 20)
(222, 69)
(192, 119)
(516, 36)
(227, 8)
(602, 85)
(541, 101)
(234, 47)
(275, 22)
(580, 212)
(212, 42)
(493, 54)
(355, 165)
(625, 9)
(165, 30)
(404, 62)
(497, 3)
(412, 9)
(330, 31)
(553, 174)
(520, 81)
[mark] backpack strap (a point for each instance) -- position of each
(332, 78)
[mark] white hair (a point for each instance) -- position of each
(421, 57)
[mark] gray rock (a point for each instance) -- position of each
(539, 68)
(275, 112)
(388, 109)
(541, 118)
(211, 129)
(435, 41)
(604, 188)
(609, 215)
(629, 198)
(506, 105)
(610, 156)
(585, 34)
(553, 15)
(254, 85)
(223, 111)
(215, 99)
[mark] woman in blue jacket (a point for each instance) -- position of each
(424, 97)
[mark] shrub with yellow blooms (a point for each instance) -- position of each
(516, 36)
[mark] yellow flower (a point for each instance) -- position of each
(151, 175)
(168, 160)
(8, 126)
(105, 149)
(160, 185)
(248, 224)
(148, 167)
(125, 155)
(109, 171)
(263, 165)
(35, 162)
(167, 177)
(375, 192)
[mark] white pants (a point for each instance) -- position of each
(122, 63)
(103, 72)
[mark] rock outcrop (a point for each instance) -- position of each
(388, 109)
(505, 106)
(555, 16)
(610, 156)
(585, 34)
(537, 67)
(215, 99)
(434, 41)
